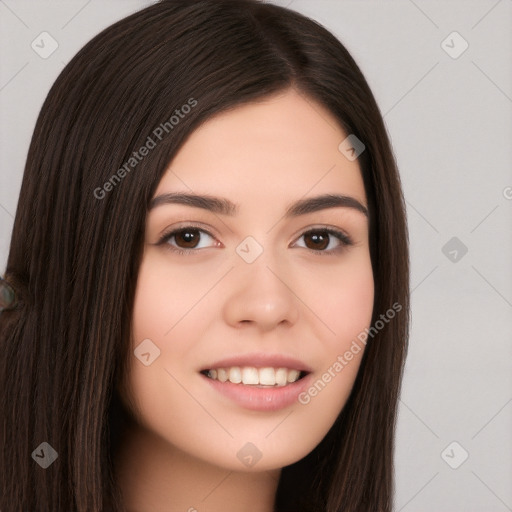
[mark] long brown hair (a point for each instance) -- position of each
(75, 252)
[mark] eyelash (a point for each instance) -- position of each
(344, 240)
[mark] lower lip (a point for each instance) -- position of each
(261, 399)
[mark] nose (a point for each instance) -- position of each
(260, 294)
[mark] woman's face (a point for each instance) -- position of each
(263, 292)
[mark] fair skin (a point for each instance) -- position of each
(296, 298)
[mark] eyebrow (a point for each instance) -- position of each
(224, 206)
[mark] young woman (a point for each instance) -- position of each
(206, 300)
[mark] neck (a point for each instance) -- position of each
(156, 476)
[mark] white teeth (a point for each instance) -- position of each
(249, 375)
(235, 375)
(267, 376)
(281, 377)
(222, 374)
(293, 375)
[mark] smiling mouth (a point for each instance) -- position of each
(257, 377)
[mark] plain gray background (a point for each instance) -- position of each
(448, 113)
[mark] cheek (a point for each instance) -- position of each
(162, 299)
(350, 316)
(352, 303)
(342, 299)
(165, 294)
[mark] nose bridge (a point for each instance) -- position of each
(259, 292)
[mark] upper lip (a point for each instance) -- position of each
(260, 360)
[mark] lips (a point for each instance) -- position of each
(259, 381)
(261, 369)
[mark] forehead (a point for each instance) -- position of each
(277, 148)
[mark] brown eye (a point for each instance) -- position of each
(325, 240)
(187, 238)
(317, 240)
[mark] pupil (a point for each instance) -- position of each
(319, 241)
(189, 237)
